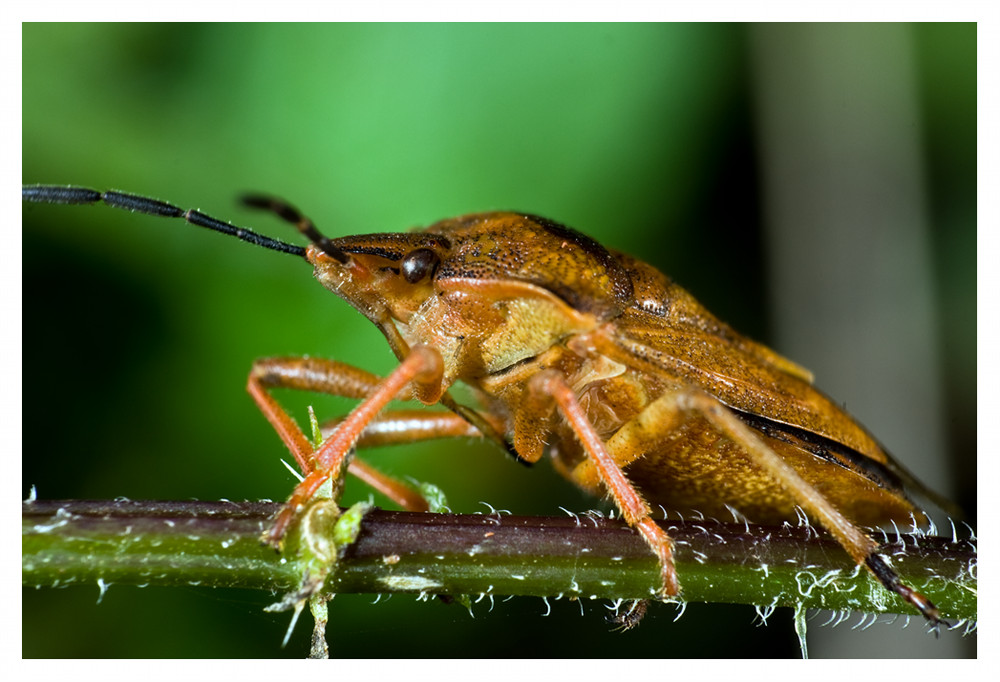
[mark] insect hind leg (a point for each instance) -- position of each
(664, 413)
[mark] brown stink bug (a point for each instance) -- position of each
(634, 389)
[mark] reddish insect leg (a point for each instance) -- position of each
(422, 367)
(399, 427)
(407, 426)
(404, 427)
(336, 378)
(634, 509)
(305, 374)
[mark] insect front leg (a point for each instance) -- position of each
(422, 369)
(550, 385)
(323, 376)
(403, 427)
(408, 426)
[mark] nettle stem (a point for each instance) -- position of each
(587, 557)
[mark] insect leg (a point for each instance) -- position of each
(398, 427)
(407, 426)
(862, 548)
(662, 414)
(326, 376)
(304, 374)
(423, 367)
(391, 428)
(633, 507)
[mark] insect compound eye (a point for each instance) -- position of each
(418, 264)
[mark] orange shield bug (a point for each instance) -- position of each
(634, 389)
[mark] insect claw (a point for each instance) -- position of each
(273, 537)
(277, 544)
(891, 581)
(631, 617)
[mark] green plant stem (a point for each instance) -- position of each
(217, 544)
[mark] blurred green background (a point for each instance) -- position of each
(657, 140)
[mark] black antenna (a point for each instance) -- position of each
(52, 194)
(290, 214)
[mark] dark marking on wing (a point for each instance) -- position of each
(826, 449)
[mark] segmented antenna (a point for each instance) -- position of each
(50, 194)
(290, 214)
